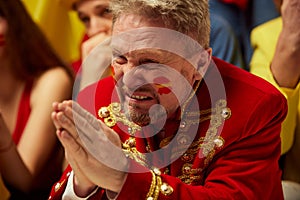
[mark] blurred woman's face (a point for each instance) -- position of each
(95, 16)
(3, 30)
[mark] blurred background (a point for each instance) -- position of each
(60, 24)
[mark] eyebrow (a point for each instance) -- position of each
(97, 7)
(115, 50)
(101, 6)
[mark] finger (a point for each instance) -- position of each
(55, 106)
(67, 124)
(73, 148)
(75, 154)
(98, 139)
(78, 122)
(55, 120)
(84, 117)
(66, 108)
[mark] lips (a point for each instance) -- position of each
(141, 100)
(140, 97)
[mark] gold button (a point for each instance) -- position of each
(166, 189)
(57, 186)
(219, 143)
(157, 171)
(226, 113)
(103, 112)
(130, 142)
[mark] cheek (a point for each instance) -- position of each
(169, 102)
(108, 24)
(188, 75)
(117, 72)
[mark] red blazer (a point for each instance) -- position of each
(235, 150)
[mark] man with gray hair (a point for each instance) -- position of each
(173, 122)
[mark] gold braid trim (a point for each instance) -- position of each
(155, 186)
(131, 152)
(152, 186)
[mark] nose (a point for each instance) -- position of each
(99, 25)
(129, 66)
(121, 67)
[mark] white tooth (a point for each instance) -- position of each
(139, 97)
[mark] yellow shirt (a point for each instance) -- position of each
(264, 39)
(60, 25)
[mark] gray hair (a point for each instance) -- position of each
(190, 17)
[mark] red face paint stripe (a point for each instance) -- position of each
(163, 84)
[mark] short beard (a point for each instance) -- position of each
(154, 116)
(141, 119)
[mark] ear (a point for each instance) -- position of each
(204, 63)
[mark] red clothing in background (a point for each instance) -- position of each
(23, 113)
(242, 4)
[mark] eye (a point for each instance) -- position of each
(104, 13)
(84, 19)
(120, 60)
(147, 60)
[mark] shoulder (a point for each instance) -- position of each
(57, 74)
(254, 102)
(53, 83)
(249, 94)
(245, 82)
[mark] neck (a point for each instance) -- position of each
(8, 83)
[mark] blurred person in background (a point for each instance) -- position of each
(276, 58)
(97, 20)
(231, 24)
(32, 77)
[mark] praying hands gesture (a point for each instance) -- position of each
(92, 149)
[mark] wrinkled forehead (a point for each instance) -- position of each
(156, 38)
